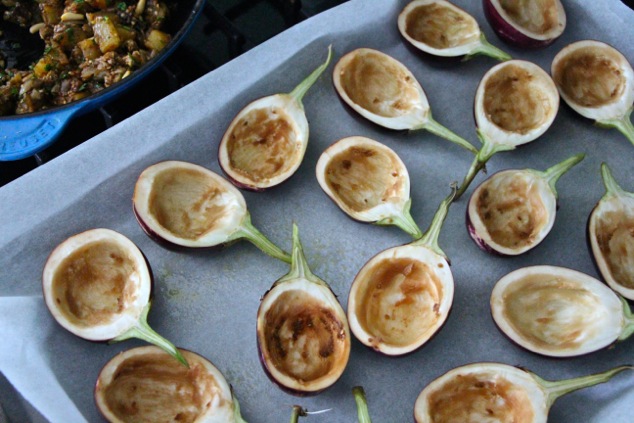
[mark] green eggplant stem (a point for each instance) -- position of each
(362, 404)
(611, 186)
(557, 389)
(430, 238)
(297, 413)
(628, 316)
(555, 172)
(299, 265)
(623, 124)
(487, 151)
(253, 235)
(487, 49)
(143, 331)
(237, 416)
(404, 221)
(303, 87)
(437, 129)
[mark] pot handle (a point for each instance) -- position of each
(24, 136)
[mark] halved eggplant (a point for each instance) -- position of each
(440, 28)
(384, 91)
(495, 392)
(368, 181)
(526, 23)
(266, 141)
(515, 103)
(559, 312)
(97, 285)
(611, 235)
(145, 385)
(512, 211)
(302, 332)
(184, 204)
(597, 82)
(402, 296)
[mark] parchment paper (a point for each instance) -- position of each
(206, 301)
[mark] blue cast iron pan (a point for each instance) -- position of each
(22, 136)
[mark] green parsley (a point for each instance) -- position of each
(48, 67)
(15, 91)
(83, 87)
(122, 6)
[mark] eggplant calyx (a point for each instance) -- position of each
(143, 331)
(612, 187)
(436, 128)
(299, 265)
(362, 404)
(557, 389)
(488, 150)
(487, 49)
(257, 238)
(628, 317)
(623, 124)
(552, 174)
(303, 87)
(430, 238)
(404, 221)
(237, 416)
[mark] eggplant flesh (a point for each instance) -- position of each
(515, 101)
(380, 85)
(145, 384)
(557, 312)
(614, 233)
(591, 76)
(441, 27)
(363, 177)
(304, 339)
(512, 212)
(535, 16)
(92, 285)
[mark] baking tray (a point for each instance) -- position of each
(206, 301)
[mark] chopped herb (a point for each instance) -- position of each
(83, 87)
(48, 67)
(63, 75)
(122, 6)
(15, 91)
(47, 50)
(78, 1)
(15, 45)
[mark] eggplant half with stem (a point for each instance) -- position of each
(384, 91)
(440, 28)
(265, 143)
(515, 103)
(302, 332)
(145, 385)
(512, 211)
(183, 204)
(559, 312)
(597, 82)
(528, 23)
(611, 235)
(402, 296)
(495, 392)
(369, 182)
(97, 285)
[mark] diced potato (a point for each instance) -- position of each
(156, 40)
(50, 61)
(92, 17)
(106, 34)
(125, 33)
(51, 13)
(99, 4)
(89, 48)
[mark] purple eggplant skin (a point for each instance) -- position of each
(507, 33)
(476, 238)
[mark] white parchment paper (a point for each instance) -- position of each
(206, 301)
